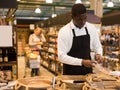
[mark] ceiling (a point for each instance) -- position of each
(25, 8)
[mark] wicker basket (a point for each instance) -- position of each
(38, 82)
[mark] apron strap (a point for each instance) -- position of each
(73, 33)
(86, 30)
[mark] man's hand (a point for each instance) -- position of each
(98, 58)
(88, 63)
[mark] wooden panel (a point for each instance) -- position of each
(111, 18)
(8, 3)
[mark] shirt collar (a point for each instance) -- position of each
(74, 27)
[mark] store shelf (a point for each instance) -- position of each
(111, 45)
(50, 56)
(8, 57)
(10, 63)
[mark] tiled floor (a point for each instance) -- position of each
(26, 72)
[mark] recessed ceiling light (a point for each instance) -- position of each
(37, 10)
(87, 2)
(110, 4)
(78, 1)
(49, 1)
(54, 15)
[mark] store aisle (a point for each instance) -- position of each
(45, 72)
(26, 72)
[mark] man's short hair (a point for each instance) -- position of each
(78, 9)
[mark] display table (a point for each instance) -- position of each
(89, 82)
(102, 82)
(70, 82)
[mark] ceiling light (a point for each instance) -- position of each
(37, 10)
(110, 4)
(54, 15)
(49, 1)
(78, 1)
(87, 2)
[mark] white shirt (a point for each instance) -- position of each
(65, 38)
(33, 39)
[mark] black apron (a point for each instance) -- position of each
(80, 49)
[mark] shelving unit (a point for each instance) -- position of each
(111, 45)
(50, 57)
(8, 57)
(23, 33)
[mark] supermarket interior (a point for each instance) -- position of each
(36, 46)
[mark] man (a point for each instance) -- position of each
(75, 42)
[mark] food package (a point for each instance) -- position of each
(36, 52)
(5, 76)
(100, 69)
(8, 74)
(33, 56)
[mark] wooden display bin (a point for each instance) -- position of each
(72, 82)
(38, 82)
